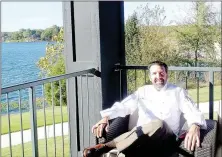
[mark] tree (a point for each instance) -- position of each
(38, 34)
(156, 40)
(55, 30)
(198, 37)
(27, 33)
(132, 43)
(47, 34)
(52, 64)
(16, 36)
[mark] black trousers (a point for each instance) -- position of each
(155, 139)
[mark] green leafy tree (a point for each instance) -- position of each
(198, 37)
(27, 33)
(37, 34)
(52, 64)
(132, 43)
(156, 40)
(47, 35)
(15, 36)
(55, 30)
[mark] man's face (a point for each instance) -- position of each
(158, 76)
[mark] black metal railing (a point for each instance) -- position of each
(25, 99)
(138, 76)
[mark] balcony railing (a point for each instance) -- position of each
(31, 97)
(193, 77)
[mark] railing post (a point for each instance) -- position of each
(211, 94)
(198, 88)
(186, 86)
(175, 77)
(33, 119)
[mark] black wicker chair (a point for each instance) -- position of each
(208, 139)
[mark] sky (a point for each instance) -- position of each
(40, 15)
(33, 15)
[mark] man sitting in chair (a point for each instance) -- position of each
(159, 109)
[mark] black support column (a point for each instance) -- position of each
(112, 49)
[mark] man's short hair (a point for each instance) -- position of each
(162, 64)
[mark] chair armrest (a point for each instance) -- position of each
(207, 139)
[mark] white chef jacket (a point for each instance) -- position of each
(166, 104)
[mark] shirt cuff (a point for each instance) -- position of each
(202, 125)
(108, 113)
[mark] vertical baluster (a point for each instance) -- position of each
(211, 94)
(69, 125)
(128, 81)
(21, 124)
(53, 113)
(33, 119)
(9, 125)
(145, 73)
(198, 88)
(135, 79)
(175, 77)
(46, 141)
(120, 82)
(186, 79)
(60, 98)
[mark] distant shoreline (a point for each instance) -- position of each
(12, 41)
(8, 42)
(31, 35)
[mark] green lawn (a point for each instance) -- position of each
(204, 94)
(17, 149)
(15, 119)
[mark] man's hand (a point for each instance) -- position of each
(192, 138)
(98, 128)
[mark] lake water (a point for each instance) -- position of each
(19, 62)
(19, 65)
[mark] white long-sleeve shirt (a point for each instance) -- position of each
(166, 104)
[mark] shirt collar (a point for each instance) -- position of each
(165, 87)
(162, 89)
